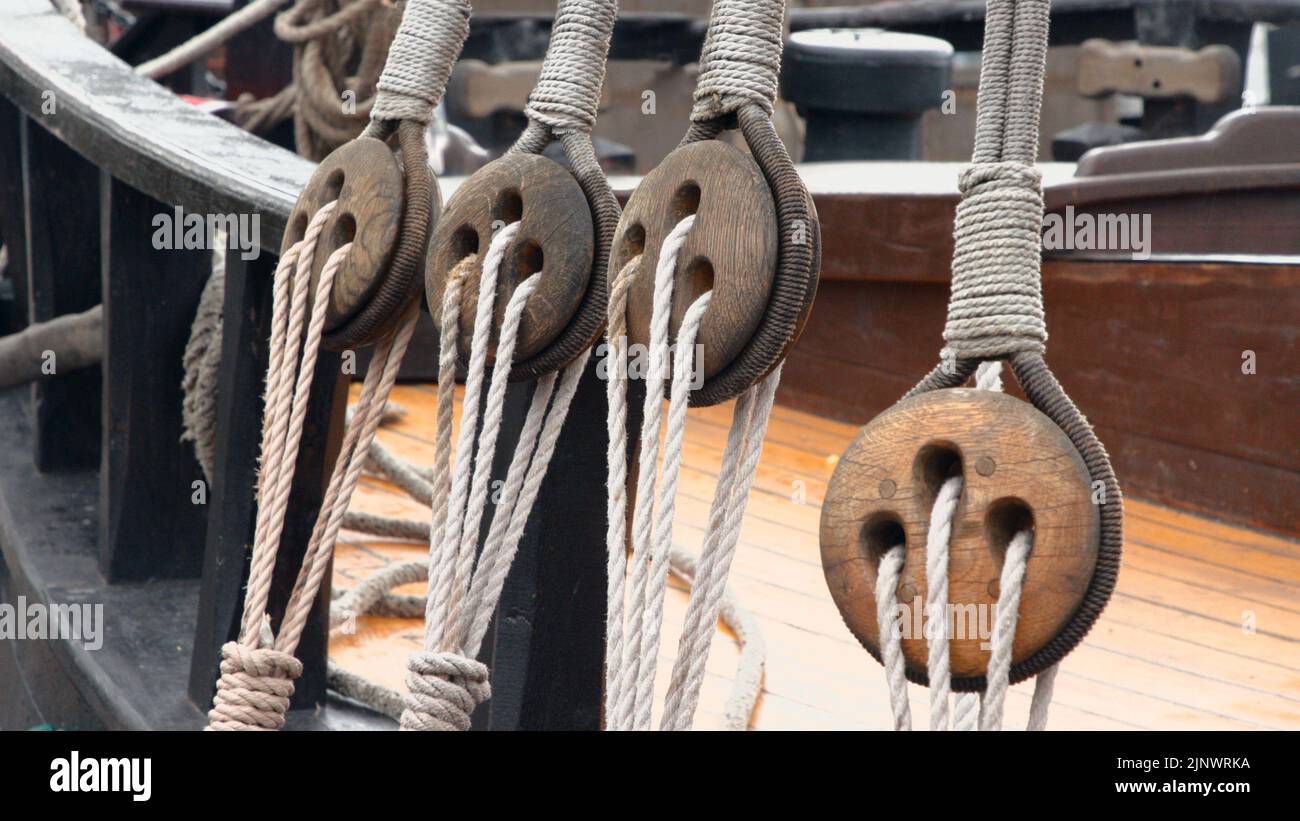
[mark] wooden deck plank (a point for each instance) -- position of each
(1170, 652)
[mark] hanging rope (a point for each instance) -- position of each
(738, 76)
(996, 306)
(636, 608)
(446, 681)
(258, 670)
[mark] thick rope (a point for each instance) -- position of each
(726, 517)
(71, 9)
(888, 616)
(420, 60)
(936, 601)
(567, 93)
(635, 612)
(741, 60)
(996, 306)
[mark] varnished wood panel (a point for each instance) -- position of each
(1151, 352)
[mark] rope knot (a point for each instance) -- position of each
(996, 306)
(254, 690)
(445, 688)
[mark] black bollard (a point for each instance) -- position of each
(863, 91)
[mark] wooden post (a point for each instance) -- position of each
(246, 327)
(547, 644)
(13, 227)
(62, 265)
(151, 520)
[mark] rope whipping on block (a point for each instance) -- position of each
(1036, 477)
(348, 275)
(717, 258)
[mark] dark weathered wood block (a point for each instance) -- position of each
(150, 525)
(547, 646)
(62, 265)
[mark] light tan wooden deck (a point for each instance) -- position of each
(1170, 652)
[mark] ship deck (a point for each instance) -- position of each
(1203, 631)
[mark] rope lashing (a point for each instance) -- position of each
(568, 88)
(446, 682)
(996, 307)
(635, 612)
(420, 60)
(258, 670)
(741, 60)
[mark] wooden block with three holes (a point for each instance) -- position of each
(1203, 631)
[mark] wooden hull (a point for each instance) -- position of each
(1151, 352)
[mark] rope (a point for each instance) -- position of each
(567, 93)
(257, 670)
(339, 47)
(635, 611)
(741, 60)
(209, 40)
(996, 306)
(446, 681)
(420, 60)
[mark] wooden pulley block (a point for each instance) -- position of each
(555, 237)
(731, 249)
(1019, 470)
(366, 178)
